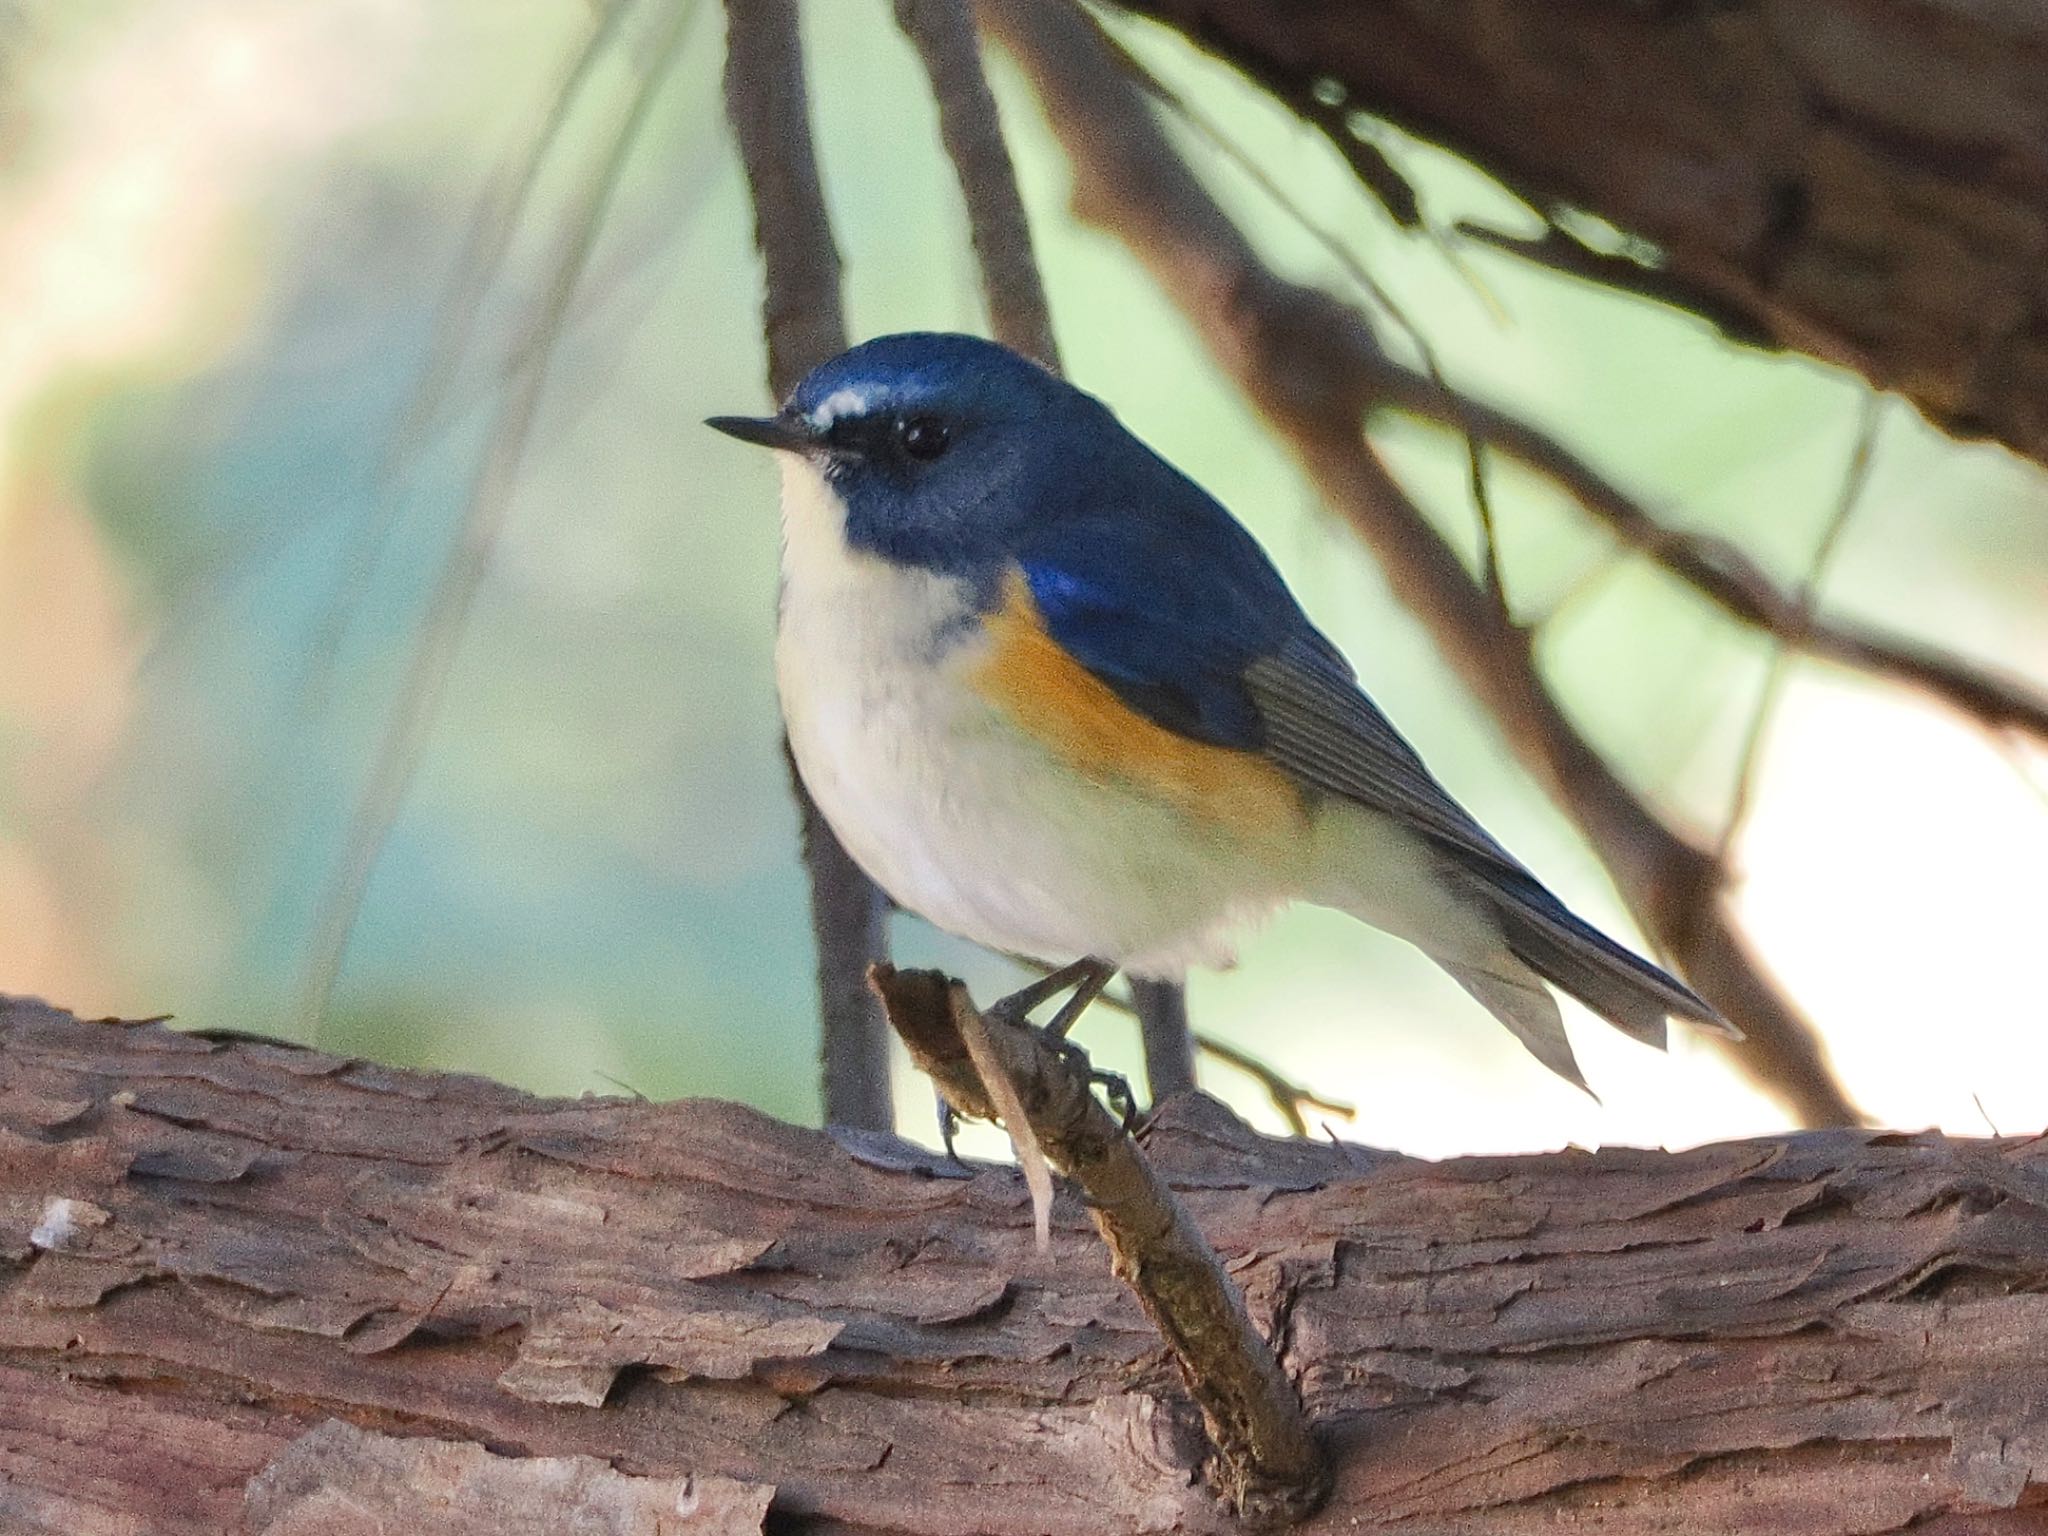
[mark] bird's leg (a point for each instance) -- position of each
(1087, 977)
(949, 1125)
(1016, 1008)
(1095, 975)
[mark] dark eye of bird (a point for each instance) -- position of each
(922, 437)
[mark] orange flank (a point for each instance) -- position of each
(1079, 717)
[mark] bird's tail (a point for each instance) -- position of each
(1548, 944)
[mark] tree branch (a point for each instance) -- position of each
(1862, 183)
(1717, 569)
(942, 31)
(1267, 1464)
(804, 324)
(211, 1249)
(1165, 1036)
(1289, 1097)
(1312, 367)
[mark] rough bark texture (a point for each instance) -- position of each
(210, 1249)
(1866, 180)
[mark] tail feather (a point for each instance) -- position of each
(1529, 1012)
(1626, 990)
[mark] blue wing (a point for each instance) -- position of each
(1173, 605)
(1163, 627)
(1177, 609)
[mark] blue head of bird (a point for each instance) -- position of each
(937, 447)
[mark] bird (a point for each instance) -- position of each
(1054, 698)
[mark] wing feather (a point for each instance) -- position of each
(1168, 601)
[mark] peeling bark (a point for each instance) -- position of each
(210, 1249)
(1864, 180)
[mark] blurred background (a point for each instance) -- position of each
(264, 367)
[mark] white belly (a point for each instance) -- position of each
(954, 812)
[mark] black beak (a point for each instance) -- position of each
(793, 436)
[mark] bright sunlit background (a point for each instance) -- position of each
(230, 233)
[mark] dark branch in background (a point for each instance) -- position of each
(804, 324)
(943, 33)
(1312, 367)
(483, 517)
(1860, 183)
(1267, 1463)
(1288, 1096)
(1169, 1044)
(1715, 568)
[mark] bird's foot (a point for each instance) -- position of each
(1086, 978)
(1116, 1088)
(949, 1128)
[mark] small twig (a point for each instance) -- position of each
(803, 322)
(1715, 568)
(1777, 669)
(1561, 251)
(942, 31)
(433, 659)
(1312, 366)
(1288, 1096)
(1267, 1463)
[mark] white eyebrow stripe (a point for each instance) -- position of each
(841, 402)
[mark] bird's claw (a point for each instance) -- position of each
(1116, 1088)
(949, 1127)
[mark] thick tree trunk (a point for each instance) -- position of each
(1866, 180)
(609, 1316)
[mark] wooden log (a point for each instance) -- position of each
(250, 1287)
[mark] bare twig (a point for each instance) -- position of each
(1348, 263)
(1312, 366)
(802, 317)
(1561, 251)
(1267, 1463)
(943, 33)
(1719, 571)
(804, 324)
(1854, 478)
(491, 233)
(1715, 568)
(1288, 1096)
(483, 517)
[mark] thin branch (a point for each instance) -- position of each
(942, 31)
(1169, 1044)
(432, 661)
(1288, 1096)
(1854, 478)
(1313, 368)
(1716, 569)
(495, 225)
(804, 323)
(1267, 1462)
(1561, 251)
